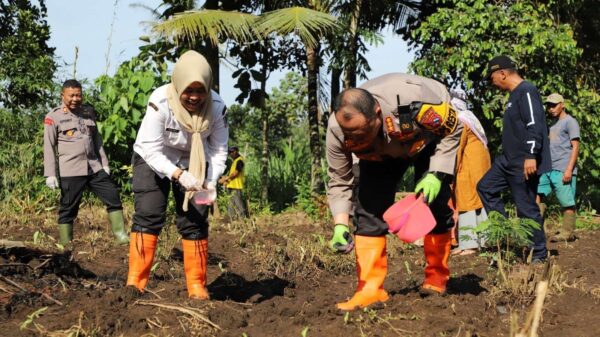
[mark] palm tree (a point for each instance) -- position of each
(210, 25)
(310, 26)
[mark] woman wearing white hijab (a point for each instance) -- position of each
(181, 146)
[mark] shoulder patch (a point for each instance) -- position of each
(153, 106)
(48, 121)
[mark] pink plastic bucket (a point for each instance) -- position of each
(409, 218)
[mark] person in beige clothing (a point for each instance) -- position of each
(473, 161)
(73, 151)
(390, 123)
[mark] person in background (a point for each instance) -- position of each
(525, 151)
(73, 151)
(390, 123)
(234, 182)
(181, 146)
(564, 148)
(472, 162)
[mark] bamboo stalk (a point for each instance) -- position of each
(541, 291)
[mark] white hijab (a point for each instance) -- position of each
(467, 117)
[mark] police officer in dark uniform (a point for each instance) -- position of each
(71, 136)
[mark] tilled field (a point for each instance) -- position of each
(271, 277)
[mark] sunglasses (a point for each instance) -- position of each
(551, 105)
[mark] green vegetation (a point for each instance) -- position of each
(454, 43)
(280, 132)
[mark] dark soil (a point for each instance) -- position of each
(246, 301)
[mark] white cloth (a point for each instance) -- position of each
(165, 145)
(189, 182)
(52, 182)
(467, 117)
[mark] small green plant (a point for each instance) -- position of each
(304, 332)
(507, 234)
(34, 315)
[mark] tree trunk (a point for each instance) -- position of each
(211, 51)
(336, 74)
(312, 64)
(350, 71)
(264, 172)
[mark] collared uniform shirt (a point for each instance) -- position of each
(165, 145)
(73, 137)
(410, 88)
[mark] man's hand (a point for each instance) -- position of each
(342, 240)
(106, 169)
(223, 180)
(430, 185)
(529, 168)
(52, 182)
(567, 176)
(188, 181)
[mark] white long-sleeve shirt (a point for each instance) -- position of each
(165, 145)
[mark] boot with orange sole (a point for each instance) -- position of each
(371, 267)
(141, 255)
(437, 250)
(195, 253)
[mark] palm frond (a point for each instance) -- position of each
(210, 24)
(308, 24)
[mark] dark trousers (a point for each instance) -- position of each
(150, 194)
(71, 191)
(503, 175)
(237, 206)
(377, 188)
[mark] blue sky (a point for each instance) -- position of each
(86, 24)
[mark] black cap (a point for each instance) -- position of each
(499, 62)
(232, 148)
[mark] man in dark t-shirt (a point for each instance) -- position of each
(525, 151)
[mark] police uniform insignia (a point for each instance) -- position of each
(48, 121)
(153, 106)
(389, 124)
(70, 133)
(430, 119)
(440, 119)
(224, 114)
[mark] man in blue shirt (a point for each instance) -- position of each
(564, 148)
(525, 151)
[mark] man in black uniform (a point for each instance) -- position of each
(525, 150)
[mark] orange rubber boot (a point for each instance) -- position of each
(371, 267)
(141, 254)
(195, 253)
(437, 250)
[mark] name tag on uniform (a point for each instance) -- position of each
(172, 130)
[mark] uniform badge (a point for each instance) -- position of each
(48, 121)
(430, 119)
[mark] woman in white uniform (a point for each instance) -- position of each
(181, 146)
